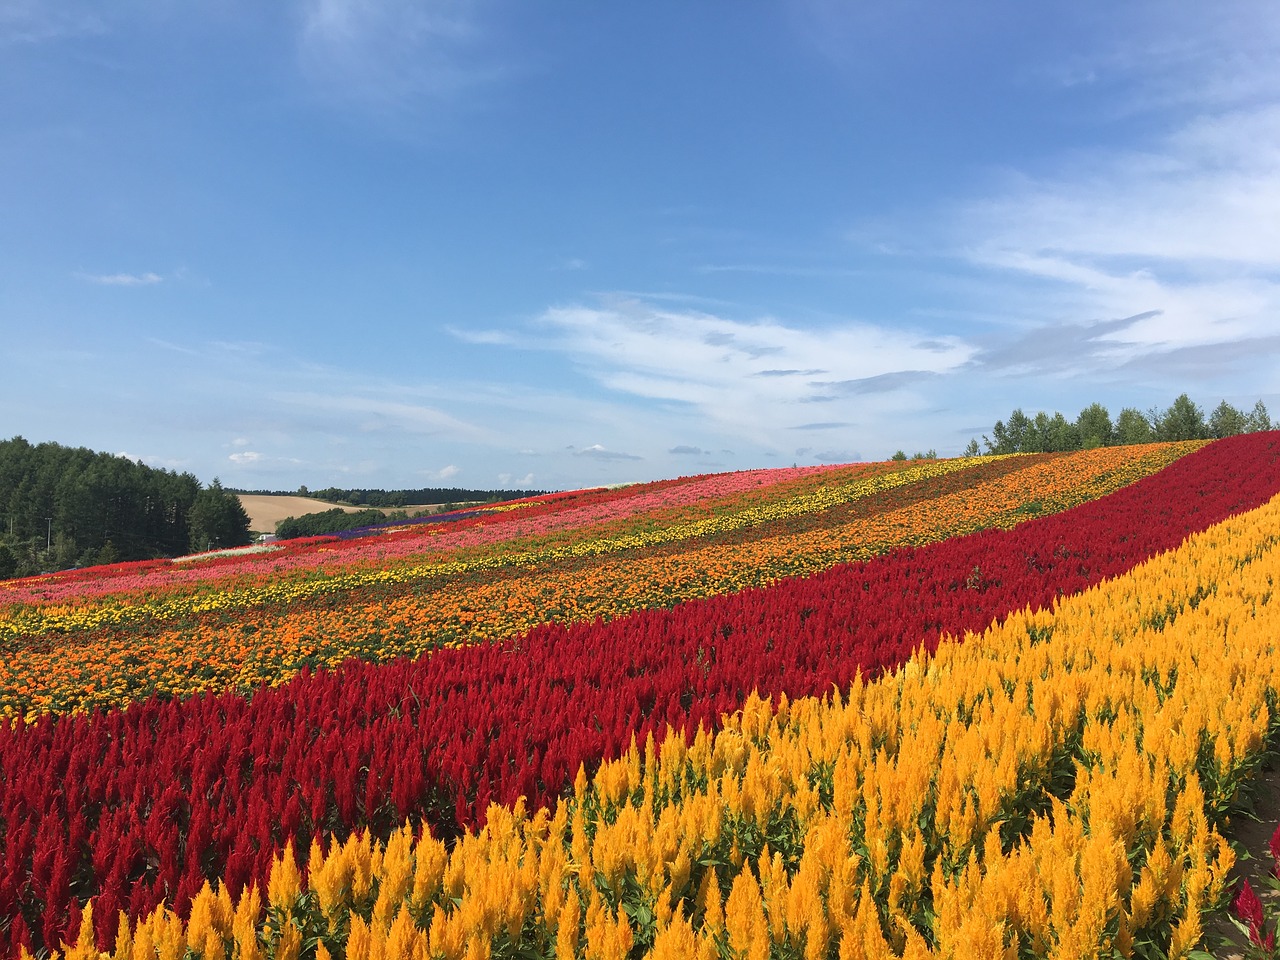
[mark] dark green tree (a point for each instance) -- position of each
(1093, 426)
(1226, 421)
(60, 505)
(972, 450)
(1259, 419)
(1183, 420)
(1016, 436)
(333, 521)
(1132, 426)
(1055, 433)
(217, 519)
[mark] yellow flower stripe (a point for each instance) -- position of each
(1053, 787)
(267, 646)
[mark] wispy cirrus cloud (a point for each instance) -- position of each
(1180, 242)
(383, 414)
(391, 54)
(1175, 234)
(599, 452)
(123, 279)
(1157, 55)
(34, 21)
(742, 377)
(482, 337)
(737, 372)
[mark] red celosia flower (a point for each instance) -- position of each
(1249, 910)
(1274, 847)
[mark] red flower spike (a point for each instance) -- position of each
(1249, 909)
(1274, 847)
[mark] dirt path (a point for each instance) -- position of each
(1250, 833)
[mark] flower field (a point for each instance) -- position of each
(250, 624)
(995, 707)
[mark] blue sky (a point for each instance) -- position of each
(495, 243)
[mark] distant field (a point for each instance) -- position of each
(265, 510)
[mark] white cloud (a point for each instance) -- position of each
(172, 347)
(387, 54)
(512, 481)
(837, 456)
(747, 377)
(374, 414)
(444, 473)
(34, 21)
(599, 452)
(1168, 55)
(1207, 195)
(1178, 231)
(1185, 234)
(123, 279)
(482, 337)
(245, 457)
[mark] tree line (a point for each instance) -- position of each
(401, 498)
(333, 521)
(1181, 420)
(63, 507)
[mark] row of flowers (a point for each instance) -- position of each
(435, 534)
(403, 557)
(121, 653)
(146, 804)
(1052, 787)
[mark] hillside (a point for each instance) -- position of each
(814, 706)
(267, 510)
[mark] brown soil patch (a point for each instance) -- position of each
(266, 510)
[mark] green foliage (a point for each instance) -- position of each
(899, 455)
(333, 521)
(217, 519)
(1259, 419)
(66, 506)
(1012, 437)
(1133, 427)
(1227, 421)
(1182, 420)
(1093, 427)
(425, 495)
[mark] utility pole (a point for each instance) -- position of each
(48, 538)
